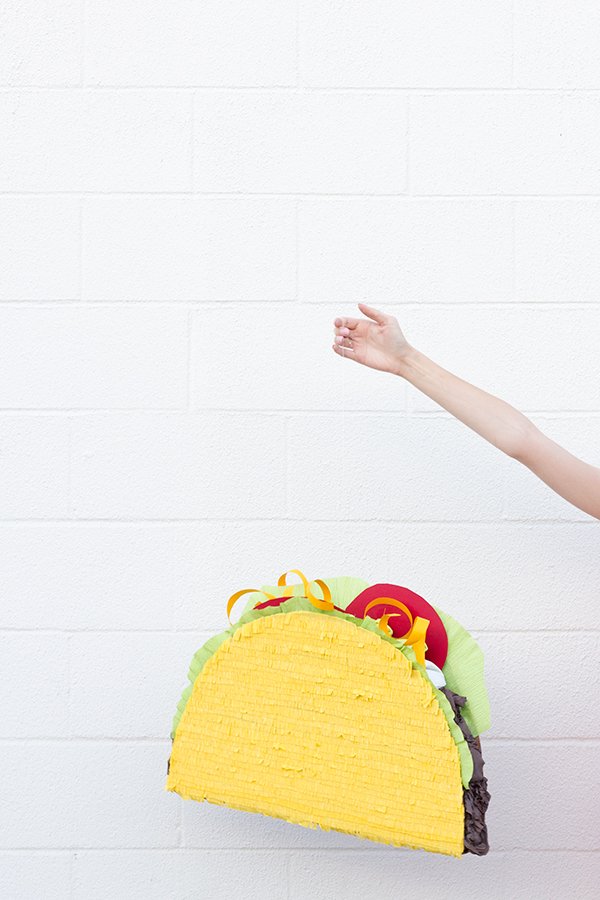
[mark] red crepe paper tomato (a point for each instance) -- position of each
(275, 601)
(436, 638)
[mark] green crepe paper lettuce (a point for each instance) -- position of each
(463, 671)
(295, 604)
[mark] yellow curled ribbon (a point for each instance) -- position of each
(415, 636)
(288, 591)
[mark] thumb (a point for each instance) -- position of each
(372, 313)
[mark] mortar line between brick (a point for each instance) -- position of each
(407, 138)
(72, 857)
(513, 14)
(80, 250)
(102, 521)
(513, 260)
(207, 629)
(392, 90)
(192, 141)
(287, 464)
(297, 44)
(288, 874)
(69, 488)
(190, 360)
(82, 739)
(401, 412)
(241, 305)
(181, 820)
(162, 742)
(83, 43)
(267, 849)
(69, 651)
(289, 195)
(297, 203)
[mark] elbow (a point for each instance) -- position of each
(520, 445)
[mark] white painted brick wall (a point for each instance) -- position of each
(189, 193)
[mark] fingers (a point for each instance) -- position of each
(372, 313)
(348, 352)
(344, 331)
(343, 341)
(345, 322)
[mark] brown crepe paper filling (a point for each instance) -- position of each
(476, 797)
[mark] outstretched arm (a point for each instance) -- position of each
(378, 342)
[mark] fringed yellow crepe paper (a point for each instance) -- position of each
(306, 717)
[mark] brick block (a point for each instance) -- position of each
(382, 250)
(34, 706)
(289, 142)
(150, 669)
(84, 794)
(34, 476)
(95, 141)
(86, 358)
(403, 469)
(512, 143)
(556, 46)
(188, 249)
(426, 44)
(500, 576)
(556, 255)
(41, 43)
(178, 466)
(35, 874)
(220, 42)
(41, 242)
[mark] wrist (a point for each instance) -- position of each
(403, 361)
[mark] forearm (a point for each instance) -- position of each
(506, 428)
(572, 478)
(492, 418)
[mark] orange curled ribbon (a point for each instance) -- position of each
(288, 591)
(415, 636)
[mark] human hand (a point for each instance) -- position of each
(377, 342)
